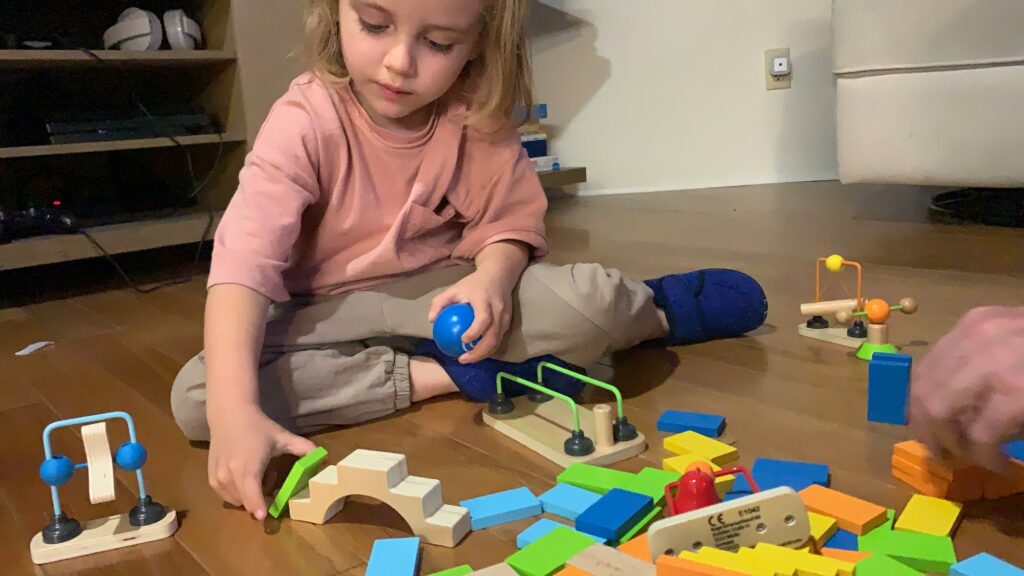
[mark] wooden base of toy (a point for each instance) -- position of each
(544, 427)
(835, 335)
(101, 535)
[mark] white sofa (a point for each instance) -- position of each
(930, 92)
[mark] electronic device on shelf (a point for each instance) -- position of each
(127, 124)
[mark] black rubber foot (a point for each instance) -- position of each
(146, 512)
(817, 322)
(623, 431)
(857, 330)
(61, 529)
(500, 404)
(538, 397)
(578, 444)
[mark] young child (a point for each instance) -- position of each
(383, 186)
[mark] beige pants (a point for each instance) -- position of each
(339, 360)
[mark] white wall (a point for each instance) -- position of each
(670, 94)
(269, 38)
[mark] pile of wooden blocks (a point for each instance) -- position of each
(913, 465)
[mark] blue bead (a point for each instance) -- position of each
(57, 470)
(449, 326)
(131, 456)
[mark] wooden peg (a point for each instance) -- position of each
(603, 426)
(878, 333)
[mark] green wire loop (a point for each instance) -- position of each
(539, 388)
(587, 379)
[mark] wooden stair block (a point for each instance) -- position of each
(384, 476)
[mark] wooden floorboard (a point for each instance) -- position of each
(784, 396)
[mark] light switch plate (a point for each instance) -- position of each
(777, 82)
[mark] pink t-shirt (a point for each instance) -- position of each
(329, 202)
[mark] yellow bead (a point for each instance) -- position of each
(834, 263)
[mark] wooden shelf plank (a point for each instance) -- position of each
(114, 145)
(563, 177)
(116, 239)
(28, 59)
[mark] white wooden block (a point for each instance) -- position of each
(101, 463)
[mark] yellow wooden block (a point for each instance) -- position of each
(728, 560)
(807, 564)
(929, 515)
(822, 527)
(691, 442)
(680, 462)
(780, 567)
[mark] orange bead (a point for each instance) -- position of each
(877, 311)
(702, 466)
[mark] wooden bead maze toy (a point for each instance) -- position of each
(64, 537)
(849, 313)
(564, 432)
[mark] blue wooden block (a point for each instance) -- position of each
(501, 507)
(567, 501)
(1015, 449)
(888, 388)
(843, 540)
(394, 557)
(813, 473)
(614, 514)
(740, 487)
(984, 564)
(676, 421)
(541, 527)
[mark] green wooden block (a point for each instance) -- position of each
(881, 565)
(457, 571)
(923, 552)
(297, 480)
(877, 532)
(641, 524)
(652, 482)
(595, 478)
(549, 553)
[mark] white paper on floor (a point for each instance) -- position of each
(34, 347)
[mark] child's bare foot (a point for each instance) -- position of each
(427, 379)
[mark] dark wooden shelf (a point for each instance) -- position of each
(114, 145)
(31, 59)
(563, 177)
(115, 239)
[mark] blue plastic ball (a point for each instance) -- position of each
(131, 456)
(56, 470)
(449, 326)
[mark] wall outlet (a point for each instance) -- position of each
(778, 69)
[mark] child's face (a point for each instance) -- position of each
(404, 54)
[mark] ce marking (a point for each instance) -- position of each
(717, 520)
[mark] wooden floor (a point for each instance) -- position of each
(784, 396)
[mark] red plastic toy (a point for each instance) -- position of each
(696, 489)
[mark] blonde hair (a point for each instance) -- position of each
(496, 86)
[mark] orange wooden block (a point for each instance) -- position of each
(637, 548)
(572, 571)
(853, 556)
(852, 514)
(674, 566)
(917, 454)
(968, 483)
(1007, 484)
(927, 485)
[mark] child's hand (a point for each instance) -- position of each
(491, 299)
(241, 444)
(967, 395)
